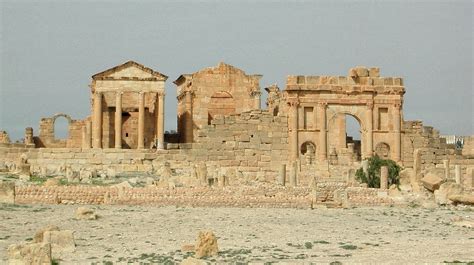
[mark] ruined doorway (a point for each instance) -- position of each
(221, 103)
(129, 127)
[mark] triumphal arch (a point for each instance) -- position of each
(317, 106)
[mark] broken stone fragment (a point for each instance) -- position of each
(84, 213)
(206, 245)
(30, 253)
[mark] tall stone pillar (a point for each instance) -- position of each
(118, 120)
(88, 134)
(188, 130)
(384, 177)
(97, 121)
(369, 131)
(141, 120)
(161, 121)
(293, 135)
(397, 132)
(322, 131)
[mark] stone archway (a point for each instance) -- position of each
(221, 103)
(339, 142)
(54, 118)
(382, 150)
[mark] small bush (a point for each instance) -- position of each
(373, 172)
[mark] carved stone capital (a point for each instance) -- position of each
(370, 105)
(322, 104)
(293, 102)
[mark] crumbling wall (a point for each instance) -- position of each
(254, 143)
(47, 138)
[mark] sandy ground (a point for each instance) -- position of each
(155, 235)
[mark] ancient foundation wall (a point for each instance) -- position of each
(268, 196)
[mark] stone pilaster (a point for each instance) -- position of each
(322, 131)
(293, 134)
(141, 120)
(118, 120)
(369, 131)
(397, 132)
(161, 121)
(97, 120)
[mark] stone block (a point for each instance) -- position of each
(431, 181)
(29, 253)
(61, 242)
(7, 192)
(374, 72)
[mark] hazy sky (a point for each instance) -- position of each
(50, 50)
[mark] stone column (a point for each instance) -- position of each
(322, 131)
(84, 137)
(369, 128)
(88, 134)
(293, 173)
(118, 120)
(188, 130)
(384, 177)
(161, 121)
(457, 174)
(397, 132)
(97, 120)
(282, 175)
(293, 135)
(446, 169)
(141, 120)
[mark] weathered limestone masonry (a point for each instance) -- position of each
(300, 140)
(263, 196)
(317, 109)
(213, 91)
(47, 135)
(254, 143)
(426, 152)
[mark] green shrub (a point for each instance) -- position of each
(373, 173)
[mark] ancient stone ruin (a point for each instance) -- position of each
(225, 139)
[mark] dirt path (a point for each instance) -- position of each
(150, 234)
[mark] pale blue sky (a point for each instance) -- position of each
(50, 50)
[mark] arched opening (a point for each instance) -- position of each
(308, 152)
(61, 127)
(221, 103)
(353, 135)
(382, 150)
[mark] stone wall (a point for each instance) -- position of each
(254, 143)
(260, 196)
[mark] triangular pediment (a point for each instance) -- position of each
(130, 70)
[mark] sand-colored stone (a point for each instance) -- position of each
(206, 245)
(30, 253)
(39, 235)
(85, 213)
(431, 182)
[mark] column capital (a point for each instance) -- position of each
(370, 105)
(293, 102)
(322, 104)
